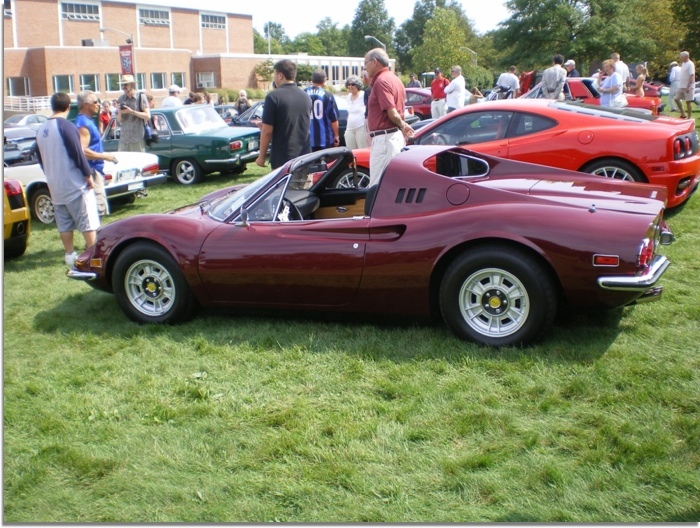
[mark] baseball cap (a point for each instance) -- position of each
(174, 88)
(570, 63)
(438, 70)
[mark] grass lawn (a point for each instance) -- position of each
(258, 418)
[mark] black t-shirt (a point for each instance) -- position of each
(288, 109)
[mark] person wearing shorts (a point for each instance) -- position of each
(68, 176)
(686, 86)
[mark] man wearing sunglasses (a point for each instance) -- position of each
(91, 141)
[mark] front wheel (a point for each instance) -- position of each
(498, 296)
(187, 172)
(149, 286)
(42, 206)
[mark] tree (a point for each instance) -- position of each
(410, 34)
(334, 40)
(439, 51)
(307, 43)
(260, 44)
(371, 18)
(688, 12)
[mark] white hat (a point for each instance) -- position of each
(174, 88)
(570, 62)
(126, 79)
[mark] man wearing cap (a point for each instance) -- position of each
(133, 115)
(385, 110)
(413, 82)
(173, 99)
(570, 67)
(437, 91)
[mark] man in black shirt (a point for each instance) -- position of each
(285, 119)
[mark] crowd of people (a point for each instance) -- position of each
(295, 121)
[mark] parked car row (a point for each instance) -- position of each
(133, 173)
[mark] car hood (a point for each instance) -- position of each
(589, 192)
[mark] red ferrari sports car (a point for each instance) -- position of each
(420, 99)
(615, 143)
(493, 246)
(583, 89)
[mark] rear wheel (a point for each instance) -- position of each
(497, 296)
(42, 206)
(149, 286)
(615, 169)
(347, 179)
(186, 171)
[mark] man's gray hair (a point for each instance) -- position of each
(82, 97)
(685, 54)
(380, 54)
(457, 69)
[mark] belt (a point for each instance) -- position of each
(382, 132)
(441, 99)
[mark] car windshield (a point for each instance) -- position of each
(222, 208)
(13, 119)
(199, 118)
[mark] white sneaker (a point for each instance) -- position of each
(70, 259)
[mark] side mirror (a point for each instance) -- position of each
(243, 222)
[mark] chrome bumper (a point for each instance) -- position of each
(237, 159)
(81, 275)
(638, 282)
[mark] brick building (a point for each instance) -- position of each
(69, 46)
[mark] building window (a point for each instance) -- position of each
(63, 83)
(179, 79)
(76, 11)
(336, 73)
(213, 21)
(17, 86)
(7, 9)
(206, 80)
(158, 81)
(112, 82)
(89, 81)
(153, 17)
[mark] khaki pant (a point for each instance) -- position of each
(102, 203)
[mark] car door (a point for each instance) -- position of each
(532, 138)
(311, 263)
(484, 131)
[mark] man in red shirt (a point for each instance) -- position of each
(437, 91)
(385, 110)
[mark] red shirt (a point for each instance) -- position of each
(104, 119)
(437, 87)
(387, 92)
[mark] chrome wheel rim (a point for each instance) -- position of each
(44, 210)
(494, 302)
(185, 172)
(150, 288)
(347, 180)
(616, 173)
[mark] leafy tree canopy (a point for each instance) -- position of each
(371, 19)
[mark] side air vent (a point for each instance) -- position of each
(410, 195)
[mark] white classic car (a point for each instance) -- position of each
(124, 180)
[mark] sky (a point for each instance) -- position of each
(300, 16)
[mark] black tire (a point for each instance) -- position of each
(347, 179)
(41, 206)
(149, 286)
(498, 296)
(186, 171)
(615, 169)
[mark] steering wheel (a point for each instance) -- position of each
(289, 212)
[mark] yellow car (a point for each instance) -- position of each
(16, 219)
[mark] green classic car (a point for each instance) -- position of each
(194, 140)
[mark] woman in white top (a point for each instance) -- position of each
(355, 135)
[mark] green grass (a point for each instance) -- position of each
(234, 418)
